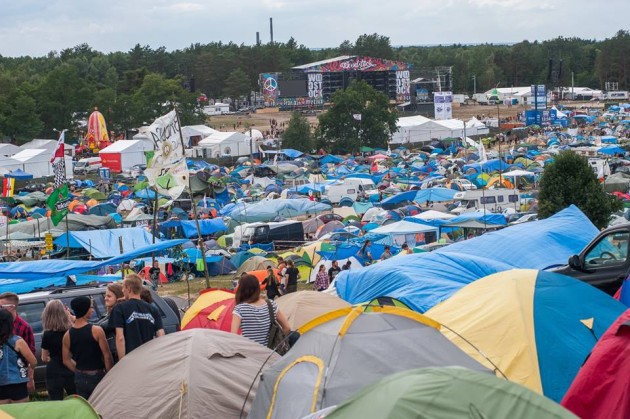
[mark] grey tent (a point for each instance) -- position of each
(255, 263)
(197, 373)
(342, 351)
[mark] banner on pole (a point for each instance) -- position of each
(167, 171)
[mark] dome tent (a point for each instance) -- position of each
(355, 348)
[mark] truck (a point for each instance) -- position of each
(352, 188)
(620, 95)
(604, 262)
(283, 234)
(480, 98)
(491, 200)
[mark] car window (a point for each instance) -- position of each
(611, 249)
(32, 314)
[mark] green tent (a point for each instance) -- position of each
(448, 392)
(73, 407)
(366, 149)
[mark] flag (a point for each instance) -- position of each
(356, 116)
(8, 184)
(168, 170)
(59, 150)
(58, 202)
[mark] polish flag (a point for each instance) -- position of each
(59, 150)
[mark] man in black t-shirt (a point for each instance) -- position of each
(135, 321)
(292, 275)
(154, 274)
(333, 271)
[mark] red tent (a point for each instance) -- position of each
(601, 388)
(144, 274)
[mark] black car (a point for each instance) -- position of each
(32, 305)
(604, 262)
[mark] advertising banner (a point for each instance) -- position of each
(443, 102)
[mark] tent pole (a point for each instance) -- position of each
(194, 210)
(67, 238)
(154, 231)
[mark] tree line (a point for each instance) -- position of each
(39, 94)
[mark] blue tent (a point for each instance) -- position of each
(329, 158)
(424, 279)
(488, 166)
(611, 150)
(273, 209)
(21, 277)
(19, 174)
(106, 243)
(103, 209)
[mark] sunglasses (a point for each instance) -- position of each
(7, 306)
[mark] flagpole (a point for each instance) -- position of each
(194, 207)
(67, 237)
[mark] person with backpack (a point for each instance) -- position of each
(15, 358)
(251, 315)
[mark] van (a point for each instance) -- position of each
(88, 165)
(283, 234)
(349, 188)
(491, 200)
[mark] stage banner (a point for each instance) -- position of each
(443, 102)
(402, 86)
(269, 86)
(315, 85)
(167, 171)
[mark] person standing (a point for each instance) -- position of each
(10, 301)
(154, 275)
(387, 253)
(56, 322)
(366, 252)
(135, 321)
(333, 271)
(85, 350)
(113, 295)
(272, 285)
(322, 281)
(251, 313)
(292, 275)
(16, 359)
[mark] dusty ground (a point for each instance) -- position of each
(260, 121)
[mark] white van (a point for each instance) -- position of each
(88, 165)
(351, 188)
(491, 200)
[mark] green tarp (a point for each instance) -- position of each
(73, 407)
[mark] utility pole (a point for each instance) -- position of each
(474, 77)
(251, 148)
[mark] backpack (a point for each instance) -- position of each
(276, 340)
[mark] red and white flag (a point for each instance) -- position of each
(59, 150)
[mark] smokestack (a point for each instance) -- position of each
(271, 28)
(257, 38)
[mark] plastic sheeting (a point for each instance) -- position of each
(106, 243)
(20, 277)
(272, 209)
(207, 227)
(424, 279)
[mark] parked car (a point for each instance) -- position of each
(136, 170)
(32, 305)
(604, 262)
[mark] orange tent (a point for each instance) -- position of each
(144, 274)
(212, 310)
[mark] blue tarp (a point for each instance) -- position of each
(19, 174)
(277, 208)
(483, 217)
(329, 158)
(488, 166)
(424, 279)
(21, 277)
(106, 243)
(207, 227)
(611, 150)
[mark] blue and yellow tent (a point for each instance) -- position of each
(535, 328)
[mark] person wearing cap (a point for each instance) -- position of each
(85, 349)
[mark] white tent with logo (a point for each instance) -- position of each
(233, 144)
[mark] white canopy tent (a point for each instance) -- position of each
(36, 162)
(433, 215)
(232, 144)
(404, 231)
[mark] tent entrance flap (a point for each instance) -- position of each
(299, 379)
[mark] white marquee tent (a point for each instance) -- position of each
(232, 144)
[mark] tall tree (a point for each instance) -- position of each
(570, 180)
(237, 84)
(298, 134)
(374, 45)
(359, 116)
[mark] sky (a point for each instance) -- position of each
(36, 27)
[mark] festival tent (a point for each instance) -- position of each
(36, 161)
(445, 393)
(303, 306)
(106, 243)
(212, 310)
(220, 144)
(255, 263)
(432, 215)
(123, 155)
(533, 327)
(425, 279)
(19, 174)
(353, 348)
(195, 373)
(271, 209)
(602, 386)
(73, 407)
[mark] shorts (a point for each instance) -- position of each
(13, 392)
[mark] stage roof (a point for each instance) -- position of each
(353, 63)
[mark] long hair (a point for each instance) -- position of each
(117, 290)
(365, 244)
(248, 289)
(6, 326)
(55, 318)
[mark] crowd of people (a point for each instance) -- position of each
(77, 352)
